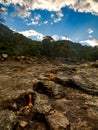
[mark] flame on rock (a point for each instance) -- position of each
(30, 101)
(52, 76)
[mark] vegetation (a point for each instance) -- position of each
(16, 44)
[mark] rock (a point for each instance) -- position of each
(95, 64)
(57, 120)
(81, 125)
(23, 124)
(92, 113)
(14, 106)
(82, 81)
(42, 104)
(87, 84)
(49, 88)
(17, 58)
(28, 62)
(5, 56)
(70, 102)
(7, 120)
(23, 57)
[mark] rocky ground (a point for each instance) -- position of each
(48, 95)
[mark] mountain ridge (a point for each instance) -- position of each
(14, 43)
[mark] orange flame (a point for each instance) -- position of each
(30, 101)
(52, 76)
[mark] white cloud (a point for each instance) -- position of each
(23, 7)
(3, 10)
(45, 22)
(52, 15)
(58, 17)
(93, 42)
(36, 19)
(21, 11)
(55, 37)
(90, 36)
(90, 30)
(14, 30)
(90, 6)
(87, 6)
(65, 38)
(30, 33)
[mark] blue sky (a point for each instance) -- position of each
(74, 20)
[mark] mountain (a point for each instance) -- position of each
(14, 43)
(5, 32)
(11, 42)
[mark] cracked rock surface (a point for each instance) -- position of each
(69, 101)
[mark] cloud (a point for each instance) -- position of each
(21, 11)
(90, 36)
(87, 6)
(50, 5)
(65, 38)
(55, 37)
(36, 19)
(14, 30)
(23, 7)
(58, 17)
(93, 42)
(90, 30)
(3, 10)
(45, 22)
(32, 33)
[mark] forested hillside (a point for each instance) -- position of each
(14, 43)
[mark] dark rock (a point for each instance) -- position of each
(49, 88)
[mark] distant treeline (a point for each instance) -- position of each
(16, 44)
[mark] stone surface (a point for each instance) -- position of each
(68, 102)
(42, 104)
(57, 120)
(7, 120)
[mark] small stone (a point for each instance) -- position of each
(23, 57)
(23, 123)
(29, 62)
(14, 105)
(5, 56)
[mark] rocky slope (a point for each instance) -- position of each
(42, 95)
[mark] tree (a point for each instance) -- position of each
(93, 54)
(66, 51)
(47, 41)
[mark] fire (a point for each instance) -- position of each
(30, 100)
(52, 76)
